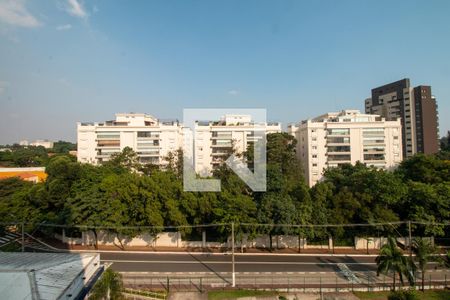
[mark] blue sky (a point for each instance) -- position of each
(63, 61)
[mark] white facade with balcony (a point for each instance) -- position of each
(215, 140)
(348, 136)
(153, 139)
(150, 138)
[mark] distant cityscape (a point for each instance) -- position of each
(398, 122)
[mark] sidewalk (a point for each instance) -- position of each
(292, 251)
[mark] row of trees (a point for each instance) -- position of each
(31, 156)
(115, 195)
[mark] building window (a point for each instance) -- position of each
(339, 131)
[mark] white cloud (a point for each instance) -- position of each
(233, 92)
(76, 9)
(64, 27)
(3, 86)
(14, 12)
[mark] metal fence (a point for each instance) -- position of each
(333, 282)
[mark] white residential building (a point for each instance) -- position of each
(348, 136)
(150, 138)
(153, 139)
(215, 140)
(44, 143)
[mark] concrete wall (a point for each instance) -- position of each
(263, 241)
(378, 242)
(174, 240)
(369, 242)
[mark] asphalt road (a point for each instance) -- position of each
(151, 262)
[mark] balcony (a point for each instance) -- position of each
(376, 157)
(225, 145)
(148, 154)
(108, 145)
(104, 155)
(339, 157)
(222, 137)
(224, 153)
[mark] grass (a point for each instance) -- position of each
(427, 295)
(221, 295)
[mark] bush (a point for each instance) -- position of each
(403, 295)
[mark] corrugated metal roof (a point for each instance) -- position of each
(53, 273)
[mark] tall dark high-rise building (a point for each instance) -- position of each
(417, 110)
(427, 134)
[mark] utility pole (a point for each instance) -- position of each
(233, 275)
(23, 237)
(410, 239)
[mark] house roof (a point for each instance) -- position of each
(39, 275)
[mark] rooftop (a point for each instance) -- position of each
(40, 275)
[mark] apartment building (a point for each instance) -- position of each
(344, 137)
(215, 140)
(43, 143)
(416, 108)
(150, 138)
(153, 139)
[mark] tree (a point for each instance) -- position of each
(18, 202)
(424, 252)
(445, 142)
(446, 261)
(428, 169)
(24, 157)
(125, 160)
(63, 147)
(277, 209)
(427, 203)
(109, 286)
(175, 162)
(392, 260)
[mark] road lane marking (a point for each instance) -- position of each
(227, 262)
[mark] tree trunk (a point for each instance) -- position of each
(393, 285)
(423, 280)
(270, 242)
(95, 239)
(122, 247)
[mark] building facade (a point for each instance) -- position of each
(43, 143)
(153, 139)
(416, 109)
(349, 136)
(215, 140)
(150, 138)
(426, 118)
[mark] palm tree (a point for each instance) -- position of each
(109, 286)
(425, 252)
(391, 259)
